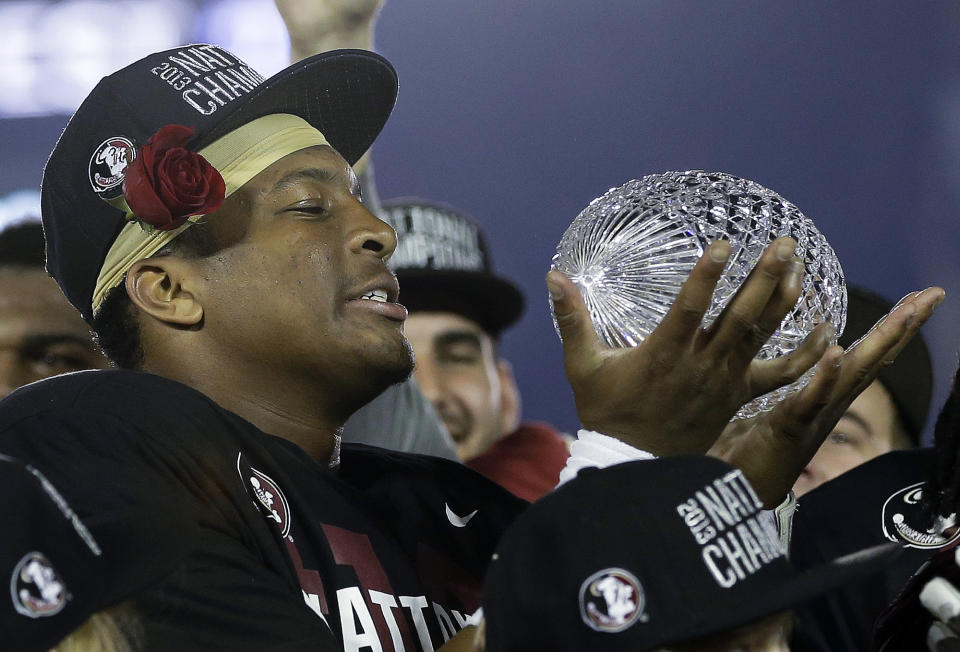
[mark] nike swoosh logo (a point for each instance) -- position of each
(459, 521)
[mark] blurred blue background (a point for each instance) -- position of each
(521, 112)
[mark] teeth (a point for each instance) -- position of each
(376, 295)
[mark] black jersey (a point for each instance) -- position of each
(385, 552)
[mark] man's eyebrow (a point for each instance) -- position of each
(856, 418)
(38, 342)
(450, 338)
(323, 175)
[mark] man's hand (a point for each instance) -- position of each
(675, 392)
(319, 25)
(772, 448)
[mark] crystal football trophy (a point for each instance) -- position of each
(630, 250)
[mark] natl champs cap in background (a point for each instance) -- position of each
(341, 98)
(879, 500)
(60, 571)
(443, 264)
(645, 554)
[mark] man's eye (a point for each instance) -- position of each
(312, 209)
(57, 361)
(838, 438)
(461, 356)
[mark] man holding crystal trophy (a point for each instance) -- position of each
(711, 277)
(714, 279)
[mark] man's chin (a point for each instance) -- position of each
(393, 366)
(398, 374)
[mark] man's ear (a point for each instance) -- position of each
(161, 287)
(509, 398)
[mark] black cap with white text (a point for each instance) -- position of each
(644, 554)
(345, 94)
(443, 264)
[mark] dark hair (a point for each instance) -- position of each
(116, 326)
(22, 246)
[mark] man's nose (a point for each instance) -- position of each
(370, 234)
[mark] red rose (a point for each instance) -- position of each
(166, 183)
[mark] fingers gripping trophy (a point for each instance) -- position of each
(631, 250)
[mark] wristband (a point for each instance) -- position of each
(596, 450)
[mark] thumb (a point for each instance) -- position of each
(580, 341)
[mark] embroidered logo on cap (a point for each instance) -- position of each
(611, 600)
(901, 518)
(108, 162)
(35, 587)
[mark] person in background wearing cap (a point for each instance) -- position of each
(232, 272)
(41, 335)
(887, 497)
(458, 308)
(888, 415)
(400, 418)
(929, 605)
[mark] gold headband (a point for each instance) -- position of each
(239, 156)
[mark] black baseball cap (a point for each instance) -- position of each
(443, 264)
(646, 554)
(877, 501)
(909, 380)
(346, 94)
(60, 569)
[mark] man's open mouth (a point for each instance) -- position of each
(376, 295)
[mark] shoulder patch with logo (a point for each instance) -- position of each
(35, 587)
(901, 521)
(611, 600)
(108, 162)
(267, 495)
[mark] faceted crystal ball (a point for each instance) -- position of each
(630, 250)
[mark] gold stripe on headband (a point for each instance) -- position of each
(239, 156)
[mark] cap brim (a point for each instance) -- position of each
(493, 302)
(346, 94)
(794, 592)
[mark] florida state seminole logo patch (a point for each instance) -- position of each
(271, 498)
(901, 521)
(108, 162)
(611, 600)
(35, 587)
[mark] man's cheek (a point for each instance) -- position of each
(852, 457)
